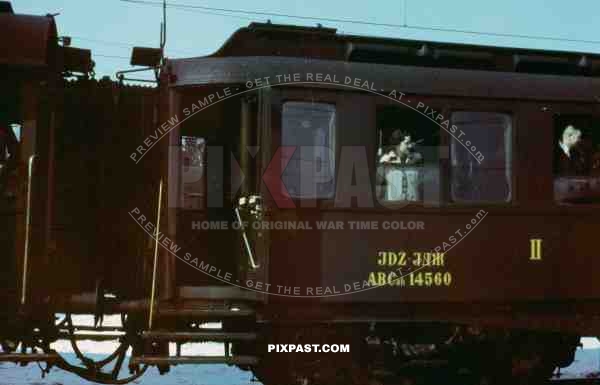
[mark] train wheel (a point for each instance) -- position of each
(96, 371)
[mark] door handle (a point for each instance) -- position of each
(253, 204)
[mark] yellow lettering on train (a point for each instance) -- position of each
(390, 258)
(417, 259)
(535, 246)
(385, 278)
(372, 280)
(438, 259)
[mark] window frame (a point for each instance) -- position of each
(450, 202)
(443, 105)
(333, 137)
(570, 111)
(203, 195)
(282, 95)
(396, 204)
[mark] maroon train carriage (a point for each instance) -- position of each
(430, 205)
(504, 188)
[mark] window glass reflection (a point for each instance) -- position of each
(481, 157)
(193, 164)
(310, 127)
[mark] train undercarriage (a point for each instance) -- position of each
(402, 350)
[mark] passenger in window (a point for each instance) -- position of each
(402, 150)
(401, 183)
(571, 156)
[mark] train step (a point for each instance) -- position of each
(29, 357)
(85, 328)
(208, 335)
(206, 312)
(195, 360)
(96, 337)
(230, 293)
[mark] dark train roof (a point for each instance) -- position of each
(265, 39)
(413, 67)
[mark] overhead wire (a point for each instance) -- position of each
(124, 45)
(208, 11)
(259, 13)
(111, 56)
(190, 7)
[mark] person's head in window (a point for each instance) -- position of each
(571, 159)
(402, 149)
(394, 154)
(571, 137)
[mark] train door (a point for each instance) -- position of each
(250, 209)
(300, 179)
(203, 182)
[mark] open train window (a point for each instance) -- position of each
(407, 156)
(310, 127)
(481, 157)
(576, 159)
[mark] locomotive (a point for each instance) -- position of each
(253, 188)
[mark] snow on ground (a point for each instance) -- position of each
(11, 374)
(107, 347)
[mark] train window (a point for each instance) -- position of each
(16, 128)
(193, 151)
(310, 127)
(576, 159)
(481, 157)
(407, 156)
(10, 135)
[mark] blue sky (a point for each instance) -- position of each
(111, 27)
